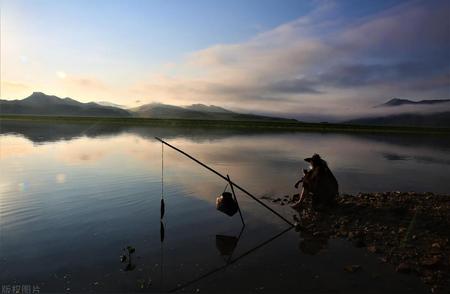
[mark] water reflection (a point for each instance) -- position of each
(227, 244)
(415, 157)
(67, 191)
(312, 243)
(127, 258)
(230, 247)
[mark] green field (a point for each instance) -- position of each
(259, 125)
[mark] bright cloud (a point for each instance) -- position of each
(61, 74)
(320, 64)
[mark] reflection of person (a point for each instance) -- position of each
(320, 182)
(311, 244)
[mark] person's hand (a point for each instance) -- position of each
(296, 185)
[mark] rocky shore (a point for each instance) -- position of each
(408, 230)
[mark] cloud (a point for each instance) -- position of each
(88, 83)
(320, 62)
(61, 74)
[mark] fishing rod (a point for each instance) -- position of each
(226, 179)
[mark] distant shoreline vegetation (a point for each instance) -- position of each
(284, 125)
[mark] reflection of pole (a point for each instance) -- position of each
(163, 209)
(235, 199)
(231, 261)
(162, 253)
(223, 177)
(237, 241)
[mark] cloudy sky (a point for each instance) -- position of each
(294, 58)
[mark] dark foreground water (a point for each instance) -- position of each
(73, 196)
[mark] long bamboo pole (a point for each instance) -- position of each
(226, 179)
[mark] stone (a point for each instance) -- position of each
(372, 249)
(404, 268)
(352, 268)
(431, 261)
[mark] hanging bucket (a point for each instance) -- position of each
(226, 204)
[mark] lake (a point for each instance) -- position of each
(73, 196)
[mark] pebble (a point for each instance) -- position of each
(404, 268)
(352, 268)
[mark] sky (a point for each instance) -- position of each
(291, 58)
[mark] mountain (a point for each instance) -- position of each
(41, 104)
(195, 111)
(106, 103)
(439, 119)
(399, 102)
(206, 108)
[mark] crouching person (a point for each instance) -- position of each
(319, 183)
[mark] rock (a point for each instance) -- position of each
(343, 233)
(352, 268)
(431, 261)
(436, 245)
(372, 249)
(404, 268)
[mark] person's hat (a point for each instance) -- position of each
(314, 158)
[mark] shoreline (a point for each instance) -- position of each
(272, 125)
(405, 229)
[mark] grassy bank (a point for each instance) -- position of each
(264, 124)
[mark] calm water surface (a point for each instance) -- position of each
(73, 196)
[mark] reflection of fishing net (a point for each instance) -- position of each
(226, 204)
(226, 244)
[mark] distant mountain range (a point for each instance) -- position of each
(41, 104)
(106, 103)
(195, 111)
(438, 118)
(399, 102)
